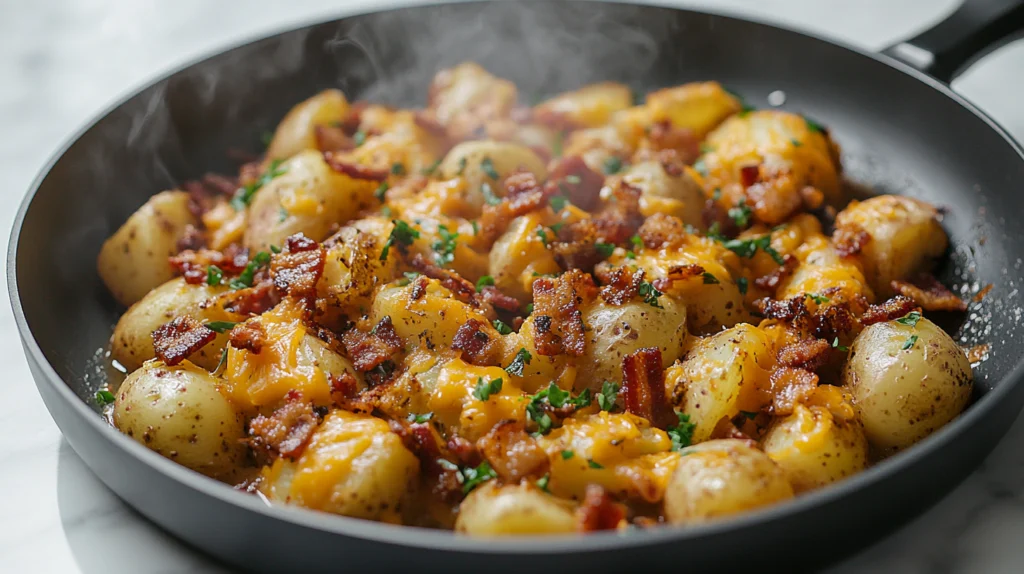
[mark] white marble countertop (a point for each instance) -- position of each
(61, 62)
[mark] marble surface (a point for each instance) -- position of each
(61, 62)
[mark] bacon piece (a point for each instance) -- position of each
(571, 176)
(660, 231)
(496, 298)
(512, 453)
(556, 306)
(666, 137)
(231, 261)
(980, 295)
(643, 387)
(599, 511)
(369, 350)
(714, 213)
(575, 247)
(621, 218)
(344, 386)
(177, 339)
(849, 239)
(784, 310)
(353, 169)
(461, 288)
(809, 354)
(832, 321)
(253, 301)
(297, 271)
(464, 451)
(927, 292)
(523, 194)
(894, 308)
(250, 172)
(192, 238)
(204, 194)
(677, 273)
(332, 138)
(423, 441)
(287, 431)
(750, 174)
(791, 386)
(249, 335)
(477, 348)
(622, 284)
(771, 281)
(419, 289)
(354, 117)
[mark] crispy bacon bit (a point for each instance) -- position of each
(660, 231)
(232, 261)
(584, 193)
(423, 441)
(812, 197)
(927, 292)
(664, 136)
(849, 239)
(784, 310)
(894, 308)
(477, 348)
(791, 386)
(523, 194)
(575, 247)
(353, 169)
(622, 285)
(250, 172)
(249, 335)
(750, 174)
(978, 353)
(286, 432)
(345, 385)
(771, 281)
(204, 194)
(599, 511)
(559, 300)
(512, 452)
(981, 294)
(643, 387)
(714, 213)
(463, 451)
(370, 350)
(620, 219)
(297, 271)
(832, 321)
(461, 288)
(179, 338)
(332, 138)
(354, 117)
(495, 297)
(809, 354)
(677, 273)
(192, 238)
(254, 300)
(419, 289)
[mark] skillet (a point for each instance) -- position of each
(902, 132)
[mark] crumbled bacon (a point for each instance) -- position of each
(175, 340)
(512, 452)
(204, 194)
(354, 117)
(460, 287)
(523, 194)
(571, 176)
(832, 321)
(253, 301)
(343, 386)
(368, 350)
(750, 174)
(791, 386)
(622, 284)
(250, 172)
(332, 138)
(667, 137)
(287, 431)
(621, 218)
(599, 511)
(297, 270)
(677, 273)
(423, 441)
(894, 308)
(849, 239)
(809, 354)
(929, 293)
(558, 301)
(771, 281)
(463, 451)
(476, 346)
(643, 387)
(353, 169)
(575, 245)
(231, 261)
(496, 298)
(784, 309)
(249, 335)
(713, 213)
(660, 231)
(192, 238)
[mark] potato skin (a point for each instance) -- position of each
(590, 106)
(466, 160)
(722, 477)
(679, 195)
(815, 448)
(903, 395)
(519, 256)
(354, 466)
(134, 259)
(181, 413)
(297, 131)
(492, 510)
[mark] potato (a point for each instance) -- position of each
(469, 160)
(133, 260)
(815, 448)
(905, 237)
(722, 477)
(465, 97)
(597, 145)
(297, 131)
(519, 256)
(352, 265)
(181, 413)
(614, 331)
(822, 268)
(698, 106)
(457, 409)
(492, 510)
(720, 376)
(660, 192)
(431, 319)
(132, 341)
(308, 197)
(590, 106)
(354, 466)
(906, 381)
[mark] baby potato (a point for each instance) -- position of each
(815, 448)
(465, 97)
(181, 413)
(352, 265)
(698, 106)
(590, 106)
(478, 162)
(614, 331)
(722, 477)
(519, 256)
(492, 510)
(906, 381)
(307, 197)
(822, 268)
(680, 195)
(133, 260)
(354, 466)
(432, 318)
(905, 237)
(720, 376)
(132, 341)
(598, 145)
(297, 131)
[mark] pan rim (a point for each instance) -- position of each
(423, 538)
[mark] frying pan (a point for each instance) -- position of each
(902, 132)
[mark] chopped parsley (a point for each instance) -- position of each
(650, 294)
(474, 477)
(410, 276)
(594, 464)
(282, 214)
(819, 299)
(838, 347)
(740, 215)
(430, 169)
(444, 246)
(381, 190)
(558, 202)
(522, 358)
(542, 482)
(606, 398)
(743, 284)
(359, 138)
(705, 148)
(484, 281)
(476, 227)
(557, 398)
(556, 226)
(637, 241)
(398, 168)
(419, 419)
(543, 235)
(748, 247)
(461, 165)
(911, 341)
(611, 165)
(814, 126)
(275, 249)
(682, 433)
(220, 326)
(528, 309)
(795, 142)
(573, 179)
(488, 168)
(751, 415)
(243, 197)
(244, 279)
(910, 319)
(489, 197)
(500, 326)
(485, 389)
(223, 359)
(214, 275)
(104, 397)
(701, 167)
(567, 454)
(402, 234)
(605, 250)
(710, 279)
(556, 146)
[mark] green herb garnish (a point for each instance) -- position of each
(220, 326)
(402, 234)
(243, 197)
(710, 279)
(611, 165)
(910, 342)
(910, 319)
(488, 168)
(214, 275)
(500, 326)
(104, 397)
(522, 358)
(244, 279)
(682, 433)
(444, 246)
(605, 250)
(419, 419)
(484, 389)
(606, 398)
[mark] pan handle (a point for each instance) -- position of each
(975, 29)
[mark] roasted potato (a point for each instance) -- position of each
(297, 131)
(493, 510)
(484, 165)
(519, 256)
(816, 448)
(697, 106)
(589, 106)
(677, 195)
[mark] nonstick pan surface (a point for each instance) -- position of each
(901, 131)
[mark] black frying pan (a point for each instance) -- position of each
(902, 132)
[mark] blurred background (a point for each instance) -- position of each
(64, 61)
